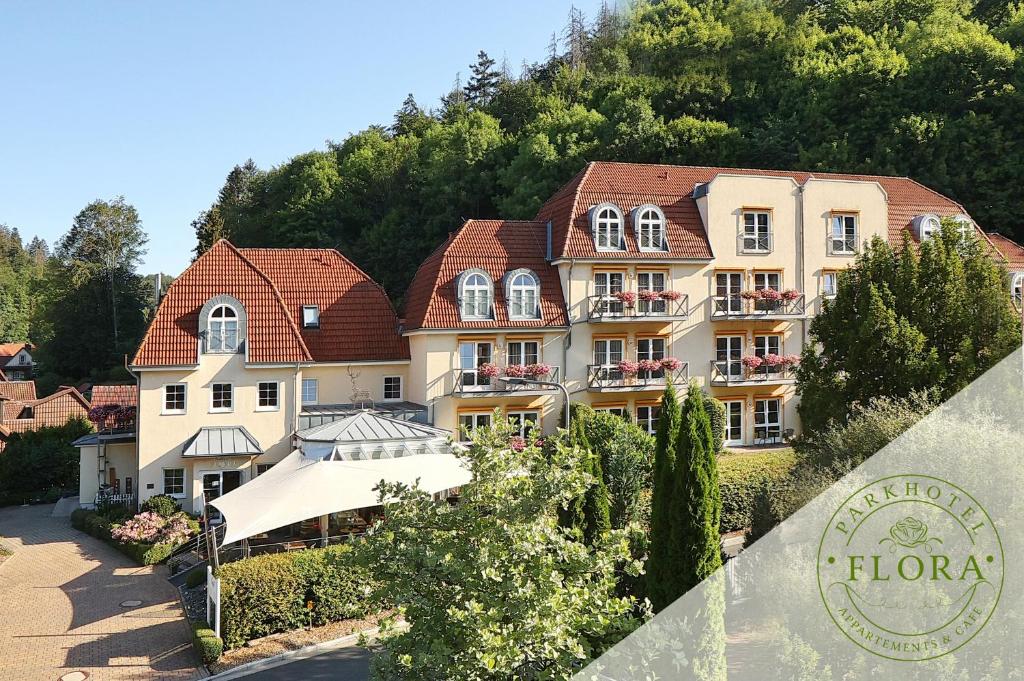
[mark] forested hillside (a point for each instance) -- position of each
(926, 88)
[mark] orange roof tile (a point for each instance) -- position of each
(53, 410)
(105, 395)
(1011, 251)
(272, 285)
(629, 185)
(497, 247)
(18, 390)
(8, 350)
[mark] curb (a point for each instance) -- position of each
(291, 656)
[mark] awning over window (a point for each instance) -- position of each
(299, 488)
(221, 441)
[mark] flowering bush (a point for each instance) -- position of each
(671, 295)
(488, 370)
(628, 368)
(517, 443)
(773, 360)
(790, 294)
(112, 416)
(752, 361)
(515, 371)
(627, 297)
(769, 295)
(648, 365)
(751, 295)
(153, 528)
(671, 364)
(538, 370)
(791, 360)
(649, 296)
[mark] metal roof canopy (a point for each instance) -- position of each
(370, 426)
(221, 441)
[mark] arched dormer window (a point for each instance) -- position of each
(964, 225)
(927, 226)
(522, 291)
(1017, 289)
(649, 223)
(606, 224)
(222, 325)
(476, 294)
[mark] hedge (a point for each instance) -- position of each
(206, 643)
(99, 526)
(740, 476)
(268, 594)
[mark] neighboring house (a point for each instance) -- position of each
(249, 346)
(1013, 254)
(108, 460)
(21, 411)
(630, 275)
(16, 360)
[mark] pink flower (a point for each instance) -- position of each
(671, 364)
(769, 295)
(751, 295)
(517, 443)
(649, 296)
(628, 368)
(790, 294)
(515, 371)
(752, 361)
(627, 297)
(488, 370)
(792, 360)
(671, 295)
(773, 360)
(538, 370)
(648, 365)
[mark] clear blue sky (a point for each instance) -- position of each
(157, 101)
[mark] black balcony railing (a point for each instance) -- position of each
(471, 381)
(612, 308)
(610, 376)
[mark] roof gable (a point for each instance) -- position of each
(24, 391)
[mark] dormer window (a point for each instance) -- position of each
(606, 223)
(222, 334)
(310, 317)
(964, 225)
(1017, 289)
(649, 223)
(927, 226)
(476, 294)
(522, 290)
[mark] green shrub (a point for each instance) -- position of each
(741, 476)
(716, 412)
(207, 644)
(268, 594)
(195, 577)
(161, 504)
(143, 553)
(37, 461)
(776, 500)
(116, 513)
(78, 517)
(99, 526)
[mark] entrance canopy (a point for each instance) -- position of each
(300, 487)
(371, 435)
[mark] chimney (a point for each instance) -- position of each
(159, 287)
(547, 255)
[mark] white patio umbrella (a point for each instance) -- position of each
(299, 488)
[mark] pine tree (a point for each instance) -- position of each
(484, 82)
(659, 567)
(410, 119)
(596, 511)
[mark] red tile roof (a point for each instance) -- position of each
(357, 321)
(18, 390)
(629, 185)
(1011, 251)
(8, 350)
(54, 410)
(497, 247)
(122, 395)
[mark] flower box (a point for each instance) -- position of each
(649, 365)
(649, 296)
(628, 368)
(538, 370)
(671, 364)
(488, 370)
(627, 298)
(671, 295)
(752, 362)
(515, 371)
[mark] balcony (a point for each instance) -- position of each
(748, 306)
(734, 373)
(474, 383)
(611, 378)
(630, 307)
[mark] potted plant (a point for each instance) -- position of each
(671, 295)
(791, 361)
(539, 370)
(628, 369)
(627, 298)
(488, 370)
(515, 371)
(768, 299)
(671, 364)
(649, 367)
(752, 363)
(773, 362)
(790, 294)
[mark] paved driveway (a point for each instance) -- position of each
(60, 596)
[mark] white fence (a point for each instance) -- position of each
(212, 600)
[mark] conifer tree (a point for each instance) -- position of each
(589, 514)
(484, 81)
(659, 567)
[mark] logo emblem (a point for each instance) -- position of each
(910, 567)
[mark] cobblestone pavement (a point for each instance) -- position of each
(60, 608)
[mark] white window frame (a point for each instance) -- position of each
(384, 389)
(610, 358)
(652, 280)
(231, 398)
(649, 224)
(965, 225)
(728, 287)
(311, 316)
(825, 276)
(480, 304)
(730, 406)
(757, 233)
(1017, 288)
(176, 495)
(930, 226)
(523, 296)
(606, 285)
(277, 396)
(471, 358)
(840, 233)
(621, 412)
(522, 355)
(479, 419)
(262, 468)
(763, 280)
(607, 225)
(522, 417)
(729, 356)
(764, 413)
(763, 344)
(184, 399)
(647, 417)
(315, 383)
(217, 329)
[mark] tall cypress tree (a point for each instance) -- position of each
(589, 514)
(659, 566)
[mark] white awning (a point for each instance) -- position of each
(299, 488)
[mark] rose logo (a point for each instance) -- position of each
(909, 532)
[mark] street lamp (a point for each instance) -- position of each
(550, 384)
